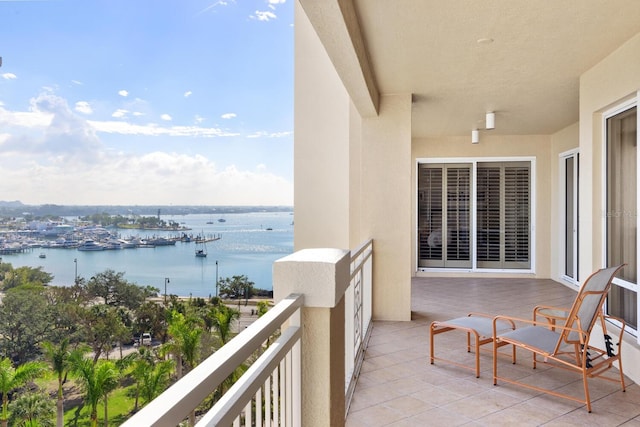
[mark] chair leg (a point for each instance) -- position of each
(431, 358)
(495, 360)
(621, 374)
(477, 354)
(585, 383)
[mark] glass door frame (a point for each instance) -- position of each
(563, 178)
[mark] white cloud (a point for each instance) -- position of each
(77, 82)
(264, 134)
(151, 129)
(274, 3)
(166, 117)
(137, 114)
(198, 119)
(51, 130)
(213, 6)
(153, 178)
(9, 76)
(120, 113)
(50, 147)
(229, 116)
(188, 94)
(123, 93)
(83, 107)
(264, 15)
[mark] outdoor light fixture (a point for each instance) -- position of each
(475, 136)
(490, 120)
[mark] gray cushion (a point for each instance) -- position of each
(482, 325)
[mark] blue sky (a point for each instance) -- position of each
(146, 102)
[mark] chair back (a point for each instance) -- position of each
(588, 304)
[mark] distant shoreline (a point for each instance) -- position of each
(16, 208)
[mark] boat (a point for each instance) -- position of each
(202, 252)
(90, 245)
(209, 222)
(42, 255)
(161, 241)
(222, 220)
(112, 245)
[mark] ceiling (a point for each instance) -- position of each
(461, 58)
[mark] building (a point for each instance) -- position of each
(389, 100)
(465, 139)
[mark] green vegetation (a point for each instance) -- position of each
(142, 222)
(59, 343)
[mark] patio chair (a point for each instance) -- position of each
(562, 337)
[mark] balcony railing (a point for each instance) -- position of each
(285, 387)
(267, 393)
(357, 315)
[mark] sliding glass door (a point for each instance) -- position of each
(444, 212)
(569, 169)
(622, 213)
(495, 226)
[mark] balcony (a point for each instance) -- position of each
(398, 386)
(314, 373)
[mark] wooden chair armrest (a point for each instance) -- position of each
(551, 313)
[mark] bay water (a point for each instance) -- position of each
(249, 244)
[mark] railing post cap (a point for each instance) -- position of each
(321, 274)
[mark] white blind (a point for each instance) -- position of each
(504, 215)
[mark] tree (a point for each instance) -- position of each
(262, 307)
(25, 321)
(185, 333)
(150, 375)
(102, 326)
(59, 356)
(154, 379)
(150, 317)
(32, 410)
(237, 287)
(97, 381)
(223, 318)
(26, 276)
(118, 292)
(12, 378)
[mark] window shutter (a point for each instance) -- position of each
(516, 216)
(430, 216)
(458, 214)
(488, 217)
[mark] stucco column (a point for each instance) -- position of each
(322, 276)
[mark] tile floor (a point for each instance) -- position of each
(398, 386)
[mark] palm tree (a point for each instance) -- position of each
(223, 318)
(155, 379)
(32, 410)
(12, 378)
(59, 357)
(185, 334)
(151, 376)
(98, 380)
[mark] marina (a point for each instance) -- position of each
(241, 245)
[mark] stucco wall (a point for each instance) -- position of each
(386, 204)
(321, 150)
(610, 82)
(561, 142)
(499, 146)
